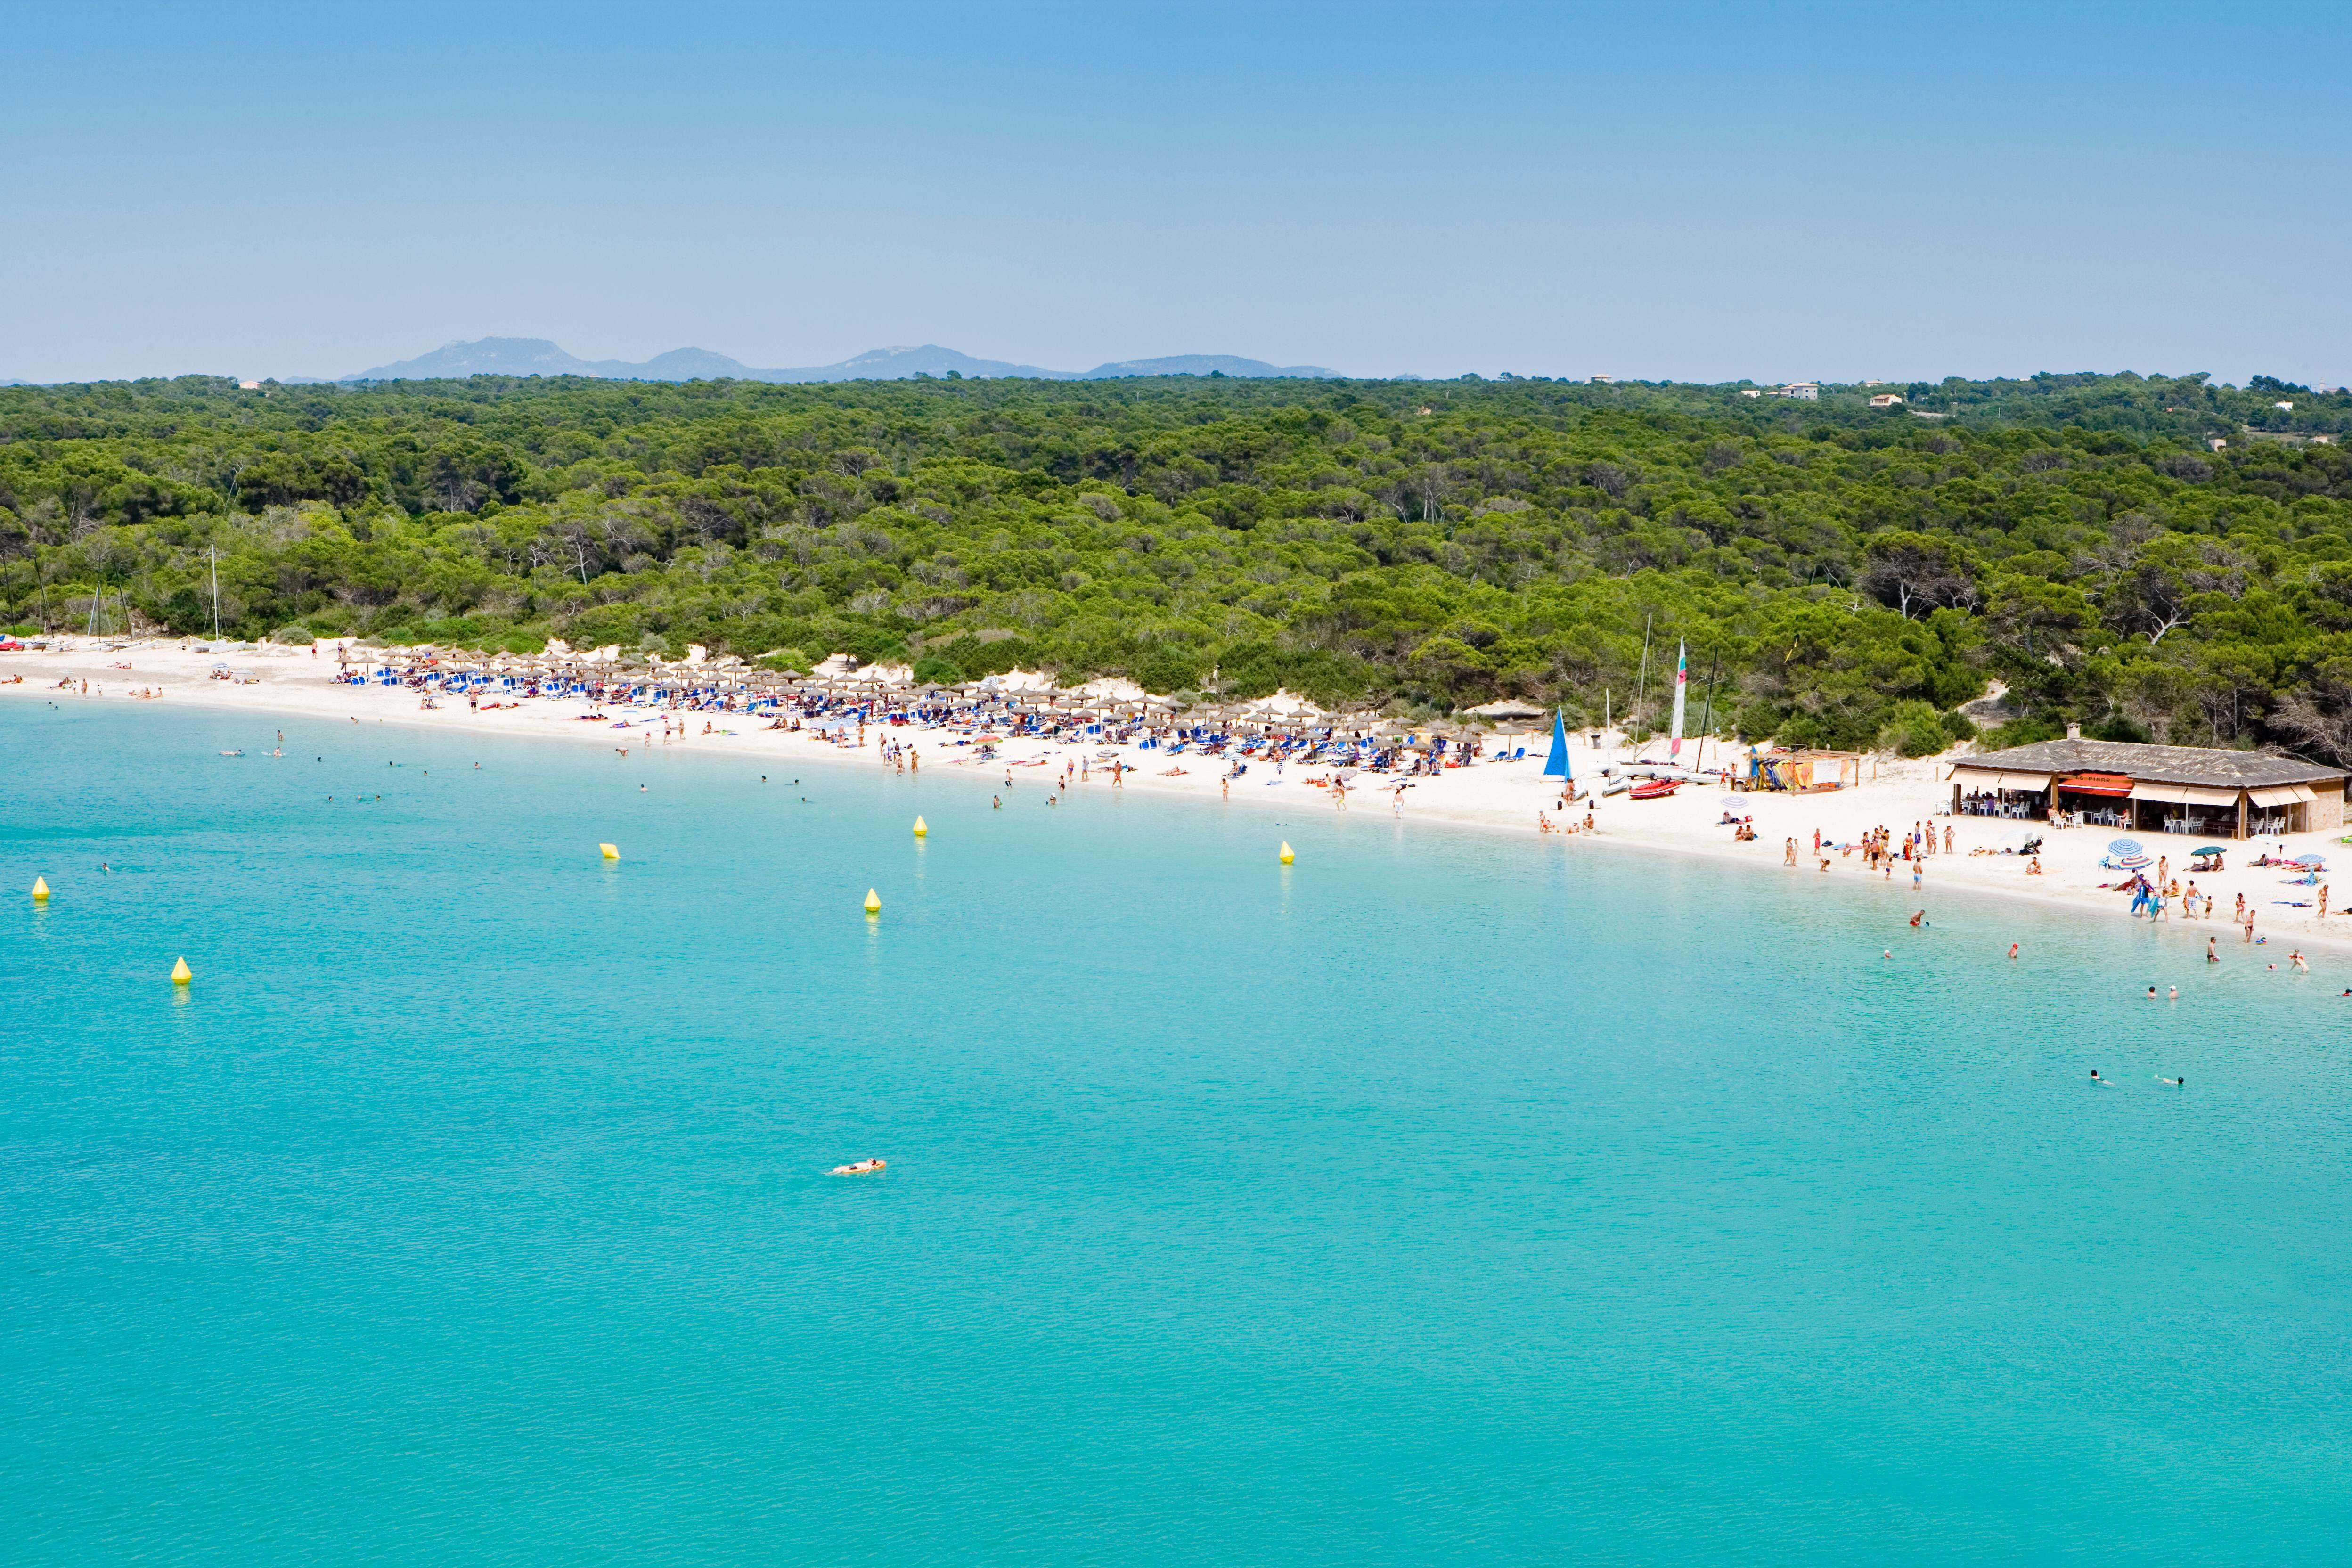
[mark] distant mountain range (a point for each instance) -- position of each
(537, 356)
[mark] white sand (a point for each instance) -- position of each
(1502, 797)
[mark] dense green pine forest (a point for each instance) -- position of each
(1856, 573)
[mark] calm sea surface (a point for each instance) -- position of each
(1441, 1199)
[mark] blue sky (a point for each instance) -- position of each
(1693, 190)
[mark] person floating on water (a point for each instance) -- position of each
(2175, 1082)
(2103, 1083)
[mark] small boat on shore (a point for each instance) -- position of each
(1654, 789)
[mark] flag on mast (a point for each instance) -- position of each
(1682, 686)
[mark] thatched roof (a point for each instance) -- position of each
(2155, 764)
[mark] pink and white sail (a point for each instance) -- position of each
(1682, 686)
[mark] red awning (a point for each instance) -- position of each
(2097, 784)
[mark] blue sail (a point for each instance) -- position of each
(1555, 765)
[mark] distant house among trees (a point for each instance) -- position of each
(1887, 400)
(1805, 391)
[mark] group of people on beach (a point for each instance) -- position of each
(1879, 849)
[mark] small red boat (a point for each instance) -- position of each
(1654, 789)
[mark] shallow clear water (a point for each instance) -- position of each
(1443, 1198)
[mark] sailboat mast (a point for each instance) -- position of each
(1706, 716)
(1642, 682)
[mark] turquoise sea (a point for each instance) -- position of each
(1445, 1198)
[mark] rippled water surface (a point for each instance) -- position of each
(1440, 1199)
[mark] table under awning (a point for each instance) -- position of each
(2184, 794)
(2282, 794)
(2117, 785)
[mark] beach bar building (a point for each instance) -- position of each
(2211, 793)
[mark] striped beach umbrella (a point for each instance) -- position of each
(2124, 847)
(2135, 862)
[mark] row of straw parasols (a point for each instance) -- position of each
(1064, 705)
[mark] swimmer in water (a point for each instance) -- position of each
(2175, 1082)
(2103, 1083)
(1918, 919)
(2013, 949)
(863, 1167)
(2172, 992)
(2151, 993)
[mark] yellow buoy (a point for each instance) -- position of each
(611, 853)
(1287, 856)
(873, 902)
(922, 828)
(181, 973)
(41, 890)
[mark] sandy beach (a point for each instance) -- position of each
(1495, 797)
